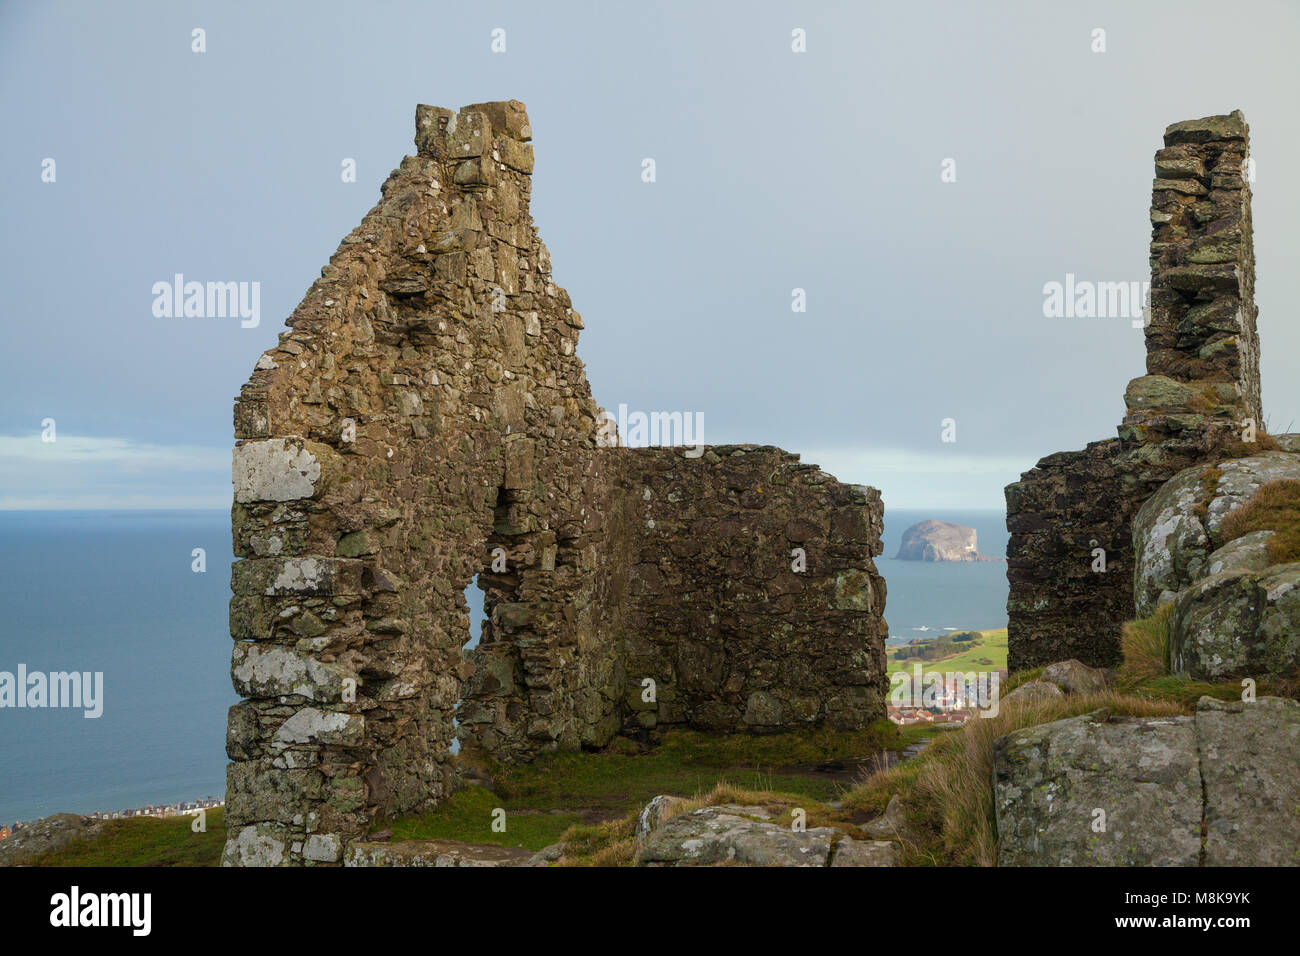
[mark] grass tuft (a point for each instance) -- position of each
(1145, 645)
(1275, 506)
(1210, 478)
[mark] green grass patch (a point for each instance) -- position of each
(747, 750)
(146, 841)
(626, 776)
(598, 795)
(1185, 691)
(468, 814)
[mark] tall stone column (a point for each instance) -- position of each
(1199, 397)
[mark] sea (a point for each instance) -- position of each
(930, 599)
(116, 592)
(125, 594)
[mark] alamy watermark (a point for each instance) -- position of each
(72, 689)
(970, 690)
(641, 430)
(208, 300)
(128, 910)
(1084, 299)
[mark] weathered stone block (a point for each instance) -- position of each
(312, 726)
(257, 845)
(1093, 790)
(280, 469)
(262, 670)
(257, 792)
(1250, 753)
(298, 576)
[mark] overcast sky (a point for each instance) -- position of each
(776, 170)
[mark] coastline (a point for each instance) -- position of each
(178, 809)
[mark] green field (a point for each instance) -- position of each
(986, 653)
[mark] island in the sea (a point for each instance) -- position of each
(940, 541)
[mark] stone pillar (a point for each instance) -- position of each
(1200, 392)
(1202, 346)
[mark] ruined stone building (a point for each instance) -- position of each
(426, 420)
(1199, 400)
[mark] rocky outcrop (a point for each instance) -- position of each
(939, 541)
(1033, 692)
(1238, 624)
(730, 834)
(1176, 534)
(46, 835)
(1235, 614)
(653, 814)
(890, 825)
(849, 852)
(1099, 791)
(1062, 679)
(1214, 789)
(426, 420)
(1075, 677)
(1070, 559)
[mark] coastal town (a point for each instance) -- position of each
(162, 810)
(951, 708)
(906, 716)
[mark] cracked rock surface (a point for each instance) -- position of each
(1218, 788)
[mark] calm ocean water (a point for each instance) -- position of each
(113, 591)
(923, 598)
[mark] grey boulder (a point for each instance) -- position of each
(1098, 791)
(1238, 624)
(735, 834)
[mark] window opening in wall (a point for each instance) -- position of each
(474, 598)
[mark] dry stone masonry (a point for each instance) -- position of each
(1197, 402)
(426, 419)
(736, 637)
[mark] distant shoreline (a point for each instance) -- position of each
(179, 809)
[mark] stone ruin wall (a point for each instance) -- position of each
(734, 638)
(427, 411)
(1202, 383)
